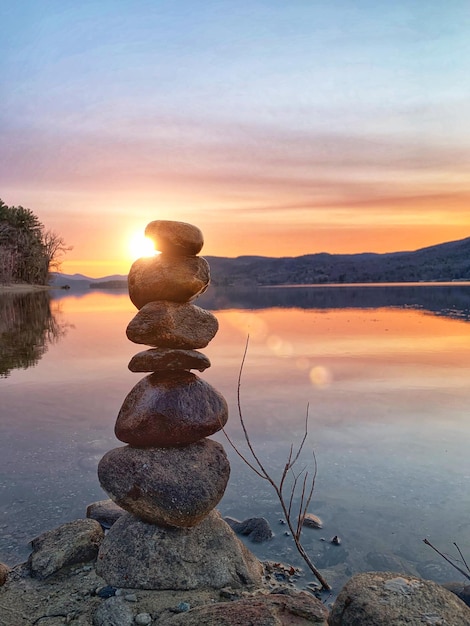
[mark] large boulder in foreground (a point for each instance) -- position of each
(74, 542)
(290, 609)
(172, 325)
(385, 598)
(166, 486)
(165, 277)
(170, 409)
(138, 555)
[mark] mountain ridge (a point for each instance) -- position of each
(449, 261)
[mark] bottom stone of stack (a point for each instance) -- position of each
(138, 555)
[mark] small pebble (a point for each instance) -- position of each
(106, 592)
(287, 534)
(143, 619)
(130, 597)
(336, 541)
(183, 607)
(282, 521)
(312, 521)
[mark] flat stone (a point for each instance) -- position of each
(106, 512)
(172, 325)
(384, 598)
(170, 409)
(166, 486)
(138, 555)
(155, 360)
(164, 277)
(178, 238)
(74, 542)
(296, 608)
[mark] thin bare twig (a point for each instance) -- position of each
(462, 557)
(459, 569)
(260, 470)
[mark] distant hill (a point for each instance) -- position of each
(443, 262)
(82, 282)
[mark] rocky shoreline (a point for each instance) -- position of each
(158, 551)
(59, 584)
(22, 288)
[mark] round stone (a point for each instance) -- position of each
(156, 360)
(170, 409)
(178, 238)
(173, 325)
(165, 277)
(166, 486)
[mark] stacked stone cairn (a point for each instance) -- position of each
(170, 476)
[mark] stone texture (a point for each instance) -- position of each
(381, 599)
(164, 277)
(293, 609)
(166, 486)
(4, 569)
(177, 238)
(255, 528)
(170, 409)
(74, 542)
(172, 325)
(113, 612)
(106, 512)
(156, 360)
(138, 555)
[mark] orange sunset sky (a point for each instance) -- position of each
(278, 128)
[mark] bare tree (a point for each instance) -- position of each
(54, 248)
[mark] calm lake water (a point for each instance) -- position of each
(385, 371)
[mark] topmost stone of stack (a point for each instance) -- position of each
(175, 238)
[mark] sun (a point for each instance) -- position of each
(139, 246)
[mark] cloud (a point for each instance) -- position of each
(253, 168)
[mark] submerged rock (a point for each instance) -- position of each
(255, 528)
(170, 409)
(138, 555)
(312, 521)
(167, 486)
